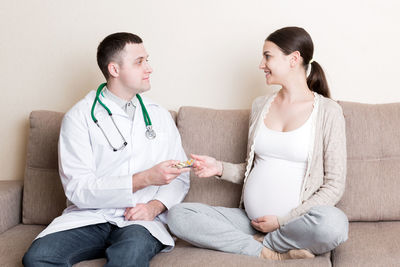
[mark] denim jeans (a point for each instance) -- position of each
(128, 246)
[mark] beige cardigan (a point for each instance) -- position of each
(325, 177)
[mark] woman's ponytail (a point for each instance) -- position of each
(316, 81)
(291, 39)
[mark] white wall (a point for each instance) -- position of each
(204, 53)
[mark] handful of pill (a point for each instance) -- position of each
(184, 164)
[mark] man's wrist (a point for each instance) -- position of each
(158, 206)
(139, 181)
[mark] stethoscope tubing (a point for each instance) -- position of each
(150, 133)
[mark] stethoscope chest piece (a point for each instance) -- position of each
(150, 133)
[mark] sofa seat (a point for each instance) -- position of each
(370, 244)
(15, 242)
(185, 255)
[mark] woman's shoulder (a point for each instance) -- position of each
(260, 101)
(329, 106)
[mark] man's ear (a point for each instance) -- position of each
(113, 69)
(295, 58)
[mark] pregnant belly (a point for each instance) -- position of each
(273, 188)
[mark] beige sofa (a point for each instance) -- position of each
(371, 200)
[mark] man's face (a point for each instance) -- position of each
(134, 69)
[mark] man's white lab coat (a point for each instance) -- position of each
(98, 181)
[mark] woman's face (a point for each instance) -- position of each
(274, 63)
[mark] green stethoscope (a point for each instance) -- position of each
(150, 133)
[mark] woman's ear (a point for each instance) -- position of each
(295, 59)
(113, 69)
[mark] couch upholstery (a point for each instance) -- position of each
(370, 201)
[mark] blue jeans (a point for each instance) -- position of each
(128, 246)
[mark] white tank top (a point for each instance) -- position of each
(274, 183)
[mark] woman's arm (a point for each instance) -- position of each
(206, 166)
(334, 164)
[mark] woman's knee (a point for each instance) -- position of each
(331, 227)
(178, 217)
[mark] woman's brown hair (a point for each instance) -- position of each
(290, 39)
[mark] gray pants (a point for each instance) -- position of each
(229, 229)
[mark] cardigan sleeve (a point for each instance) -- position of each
(334, 164)
(233, 172)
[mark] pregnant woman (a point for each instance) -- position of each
(295, 169)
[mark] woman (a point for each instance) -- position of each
(295, 169)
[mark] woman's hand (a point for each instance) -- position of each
(266, 224)
(206, 166)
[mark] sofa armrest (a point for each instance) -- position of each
(10, 204)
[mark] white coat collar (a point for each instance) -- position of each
(114, 108)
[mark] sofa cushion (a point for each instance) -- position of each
(185, 254)
(10, 203)
(218, 133)
(370, 244)
(373, 162)
(44, 197)
(15, 242)
(91, 263)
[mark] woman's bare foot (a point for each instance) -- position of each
(269, 254)
(300, 254)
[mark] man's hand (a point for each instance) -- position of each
(266, 224)
(144, 212)
(161, 174)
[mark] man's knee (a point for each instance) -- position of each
(136, 248)
(140, 245)
(36, 254)
(30, 258)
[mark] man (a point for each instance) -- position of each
(117, 170)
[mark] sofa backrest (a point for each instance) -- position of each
(43, 198)
(373, 162)
(218, 133)
(373, 149)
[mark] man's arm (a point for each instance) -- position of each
(161, 174)
(174, 192)
(176, 180)
(145, 212)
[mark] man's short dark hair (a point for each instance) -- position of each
(111, 46)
